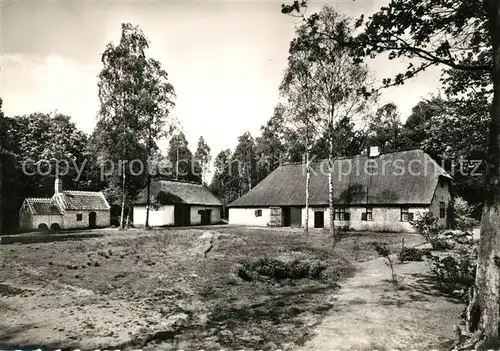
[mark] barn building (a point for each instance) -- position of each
(177, 203)
(66, 209)
(375, 192)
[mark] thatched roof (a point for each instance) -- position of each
(174, 192)
(82, 200)
(407, 177)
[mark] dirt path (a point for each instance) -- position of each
(371, 315)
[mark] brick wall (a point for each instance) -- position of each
(71, 221)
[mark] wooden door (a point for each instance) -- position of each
(275, 220)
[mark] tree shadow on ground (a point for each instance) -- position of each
(47, 238)
(426, 285)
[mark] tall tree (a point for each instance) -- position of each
(464, 37)
(270, 146)
(245, 162)
(203, 158)
(155, 104)
(329, 80)
(125, 83)
(385, 129)
(181, 158)
(221, 181)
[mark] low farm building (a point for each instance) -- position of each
(177, 203)
(377, 192)
(66, 209)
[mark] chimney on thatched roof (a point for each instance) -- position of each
(373, 151)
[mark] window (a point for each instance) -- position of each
(258, 213)
(404, 214)
(367, 215)
(340, 214)
(442, 210)
(79, 217)
(441, 181)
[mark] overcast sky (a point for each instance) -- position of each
(224, 58)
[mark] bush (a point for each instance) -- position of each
(278, 269)
(410, 254)
(427, 226)
(455, 273)
(462, 215)
(383, 251)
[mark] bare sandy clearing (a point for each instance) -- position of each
(156, 289)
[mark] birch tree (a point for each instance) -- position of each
(203, 158)
(301, 112)
(135, 98)
(329, 82)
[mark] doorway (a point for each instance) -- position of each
(182, 215)
(295, 216)
(205, 216)
(92, 220)
(319, 219)
(286, 216)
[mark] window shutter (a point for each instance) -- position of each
(347, 216)
(256, 213)
(363, 216)
(410, 216)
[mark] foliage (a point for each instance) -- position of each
(36, 140)
(462, 218)
(455, 273)
(411, 254)
(385, 129)
(271, 146)
(221, 185)
(427, 225)
(135, 100)
(243, 163)
(321, 84)
(181, 159)
(383, 251)
(202, 158)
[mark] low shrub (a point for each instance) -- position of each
(455, 273)
(383, 251)
(411, 254)
(278, 269)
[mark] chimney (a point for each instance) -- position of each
(374, 151)
(58, 186)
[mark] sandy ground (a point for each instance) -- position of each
(370, 314)
(156, 290)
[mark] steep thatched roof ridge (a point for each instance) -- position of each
(406, 177)
(175, 192)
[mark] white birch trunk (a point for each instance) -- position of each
(308, 177)
(123, 198)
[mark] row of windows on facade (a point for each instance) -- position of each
(340, 213)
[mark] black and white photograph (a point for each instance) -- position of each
(272, 175)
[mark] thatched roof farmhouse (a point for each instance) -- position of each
(379, 192)
(177, 203)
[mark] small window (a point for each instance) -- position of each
(367, 215)
(79, 217)
(258, 213)
(441, 182)
(405, 214)
(340, 214)
(442, 210)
